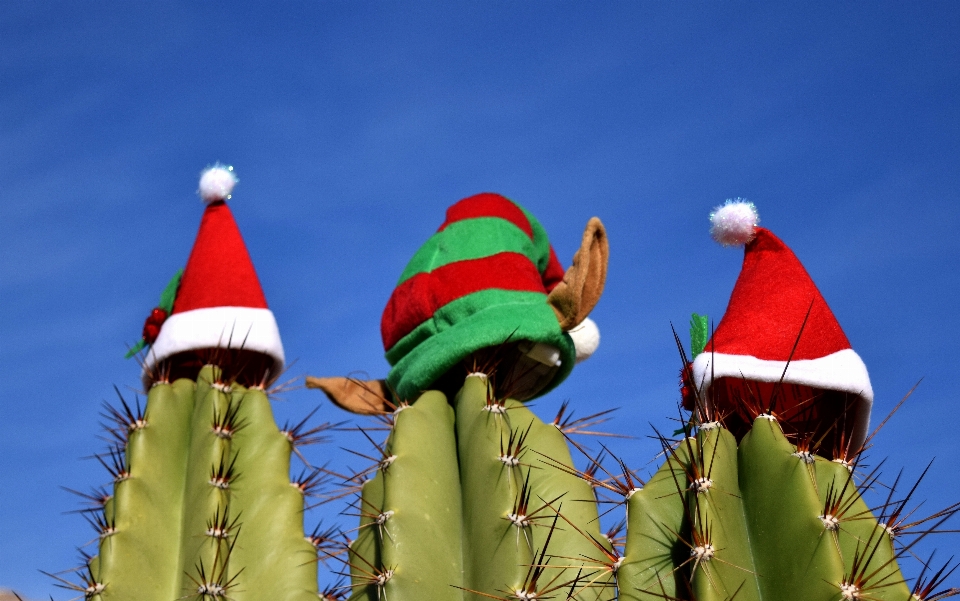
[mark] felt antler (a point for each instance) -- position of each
(578, 293)
(364, 397)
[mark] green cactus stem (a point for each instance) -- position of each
(202, 505)
(408, 544)
(480, 499)
(759, 521)
(518, 478)
(364, 557)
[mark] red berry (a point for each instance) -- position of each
(150, 333)
(157, 316)
(151, 328)
(687, 389)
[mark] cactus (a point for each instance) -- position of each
(743, 513)
(760, 520)
(462, 504)
(202, 504)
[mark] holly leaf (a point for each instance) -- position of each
(170, 292)
(167, 297)
(135, 348)
(699, 330)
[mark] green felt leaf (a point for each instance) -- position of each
(170, 292)
(135, 348)
(699, 330)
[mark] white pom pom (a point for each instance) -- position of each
(216, 183)
(734, 223)
(586, 339)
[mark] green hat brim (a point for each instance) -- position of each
(480, 320)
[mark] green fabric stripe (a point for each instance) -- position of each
(475, 239)
(448, 315)
(541, 242)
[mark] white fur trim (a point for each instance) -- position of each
(586, 338)
(843, 371)
(227, 327)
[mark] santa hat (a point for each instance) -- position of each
(481, 280)
(773, 299)
(219, 302)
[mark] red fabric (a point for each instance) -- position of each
(219, 272)
(767, 307)
(553, 274)
(418, 298)
(488, 204)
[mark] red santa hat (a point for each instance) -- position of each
(219, 302)
(773, 299)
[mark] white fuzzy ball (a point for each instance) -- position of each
(586, 338)
(734, 223)
(216, 183)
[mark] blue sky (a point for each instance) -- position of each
(353, 125)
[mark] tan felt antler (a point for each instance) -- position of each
(578, 293)
(365, 397)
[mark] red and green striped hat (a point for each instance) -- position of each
(480, 280)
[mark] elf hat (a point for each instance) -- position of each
(483, 279)
(219, 302)
(768, 309)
